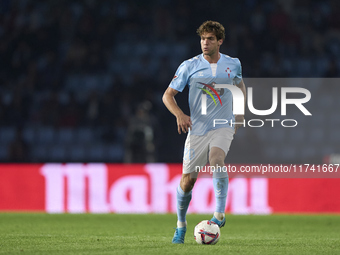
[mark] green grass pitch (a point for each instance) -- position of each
(29, 233)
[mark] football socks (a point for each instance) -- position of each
(183, 200)
(221, 190)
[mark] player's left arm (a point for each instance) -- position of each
(240, 118)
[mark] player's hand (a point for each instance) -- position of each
(238, 118)
(183, 123)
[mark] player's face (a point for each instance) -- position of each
(209, 44)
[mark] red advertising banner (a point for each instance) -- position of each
(151, 188)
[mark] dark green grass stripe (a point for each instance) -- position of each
(151, 234)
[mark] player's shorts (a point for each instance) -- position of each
(196, 148)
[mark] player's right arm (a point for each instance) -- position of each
(183, 120)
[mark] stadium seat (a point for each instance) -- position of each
(296, 135)
(317, 135)
(142, 49)
(304, 67)
(30, 134)
(96, 153)
(326, 101)
(65, 136)
(40, 153)
(334, 135)
(120, 134)
(72, 82)
(308, 152)
(7, 134)
(115, 153)
(45, 135)
(288, 153)
(271, 152)
(277, 135)
(3, 152)
(327, 150)
(262, 133)
(84, 135)
(77, 153)
(57, 153)
(334, 120)
(318, 119)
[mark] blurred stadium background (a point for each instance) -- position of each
(81, 81)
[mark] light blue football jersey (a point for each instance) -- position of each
(197, 74)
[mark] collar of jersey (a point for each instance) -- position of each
(217, 60)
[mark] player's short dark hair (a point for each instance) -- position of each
(212, 27)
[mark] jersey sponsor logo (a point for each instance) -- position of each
(207, 89)
(237, 94)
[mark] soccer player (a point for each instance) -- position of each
(205, 142)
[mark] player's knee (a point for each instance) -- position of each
(217, 160)
(216, 157)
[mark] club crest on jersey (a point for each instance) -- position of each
(228, 70)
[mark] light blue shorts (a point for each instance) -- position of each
(197, 148)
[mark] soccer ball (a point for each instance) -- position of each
(207, 232)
